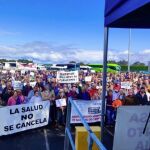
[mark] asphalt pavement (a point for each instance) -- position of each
(44, 138)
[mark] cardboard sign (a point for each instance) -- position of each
(90, 110)
(88, 78)
(129, 128)
(17, 85)
(23, 117)
(60, 102)
(31, 73)
(67, 77)
(126, 85)
(33, 84)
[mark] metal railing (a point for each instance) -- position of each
(68, 137)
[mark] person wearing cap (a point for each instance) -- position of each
(141, 97)
(116, 93)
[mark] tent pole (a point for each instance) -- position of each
(104, 81)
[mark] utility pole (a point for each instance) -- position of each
(129, 49)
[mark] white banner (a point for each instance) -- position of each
(23, 117)
(126, 85)
(17, 85)
(60, 102)
(129, 128)
(90, 110)
(67, 77)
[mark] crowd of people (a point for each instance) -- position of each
(48, 88)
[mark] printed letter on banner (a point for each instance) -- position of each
(130, 124)
(90, 110)
(23, 117)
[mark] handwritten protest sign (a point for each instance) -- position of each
(88, 78)
(90, 110)
(67, 77)
(126, 85)
(23, 117)
(129, 130)
(23, 72)
(31, 73)
(60, 102)
(17, 85)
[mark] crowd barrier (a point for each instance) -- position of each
(68, 137)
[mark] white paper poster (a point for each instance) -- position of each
(90, 110)
(17, 85)
(126, 85)
(67, 77)
(130, 124)
(88, 78)
(23, 117)
(60, 102)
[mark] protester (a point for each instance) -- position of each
(141, 97)
(61, 111)
(47, 88)
(109, 108)
(26, 89)
(13, 99)
(20, 98)
(36, 98)
(130, 98)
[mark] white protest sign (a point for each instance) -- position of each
(12, 71)
(88, 78)
(67, 77)
(90, 110)
(60, 102)
(31, 84)
(23, 117)
(17, 85)
(23, 71)
(129, 128)
(126, 85)
(31, 73)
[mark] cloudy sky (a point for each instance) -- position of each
(59, 31)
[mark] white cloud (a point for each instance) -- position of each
(44, 52)
(7, 33)
(146, 51)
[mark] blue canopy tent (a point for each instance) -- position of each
(122, 14)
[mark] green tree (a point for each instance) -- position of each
(138, 63)
(122, 62)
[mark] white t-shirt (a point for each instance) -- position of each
(115, 95)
